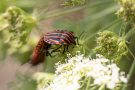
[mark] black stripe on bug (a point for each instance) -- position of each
(61, 37)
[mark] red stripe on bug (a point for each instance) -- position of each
(53, 41)
(67, 36)
(70, 40)
(72, 36)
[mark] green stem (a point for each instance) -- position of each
(94, 88)
(122, 29)
(88, 84)
(102, 87)
(130, 33)
(132, 69)
(83, 83)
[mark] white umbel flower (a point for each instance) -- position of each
(102, 72)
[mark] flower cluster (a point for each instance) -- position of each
(83, 73)
(19, 23)
(43, 79)
(127, 10)
(110, 45)
(74, 2)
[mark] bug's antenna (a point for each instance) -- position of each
(81, 33)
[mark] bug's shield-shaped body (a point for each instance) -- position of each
(60, 37)
(39, 52)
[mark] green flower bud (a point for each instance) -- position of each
(19, 23)
(110, 45)
(127, 10)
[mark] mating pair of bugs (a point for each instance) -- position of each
(59, 37)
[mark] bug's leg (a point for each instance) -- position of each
(67, 48)
(64, 49)
(72, 46)
(48, 54)
(46, 47)
(56, 49)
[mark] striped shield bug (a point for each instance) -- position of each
(61, 37)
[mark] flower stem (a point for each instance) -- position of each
(102, 87)
(88, 84)
(132, 69)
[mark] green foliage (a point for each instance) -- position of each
(111, 46)
(23, 82)
(19, 24)
(15, 28)
(43, 79)
(127, 10)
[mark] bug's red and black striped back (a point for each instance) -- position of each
(60, 37)
(39, 52)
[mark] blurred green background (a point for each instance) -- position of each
(86, 19)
